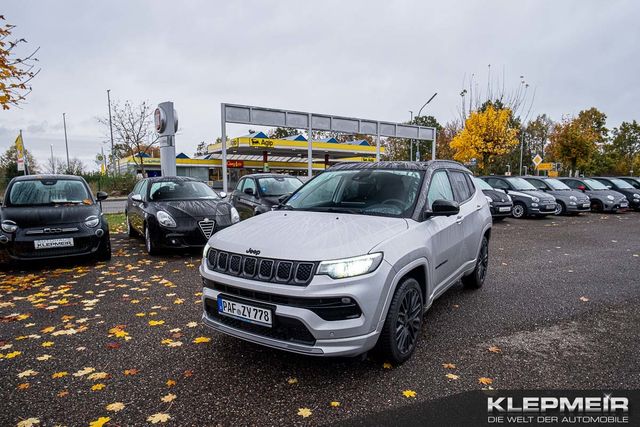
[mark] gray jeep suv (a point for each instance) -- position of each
(351, 261)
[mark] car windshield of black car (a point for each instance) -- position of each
(557, 185)
(180, 190)
(520, 184)
(43, 192)
(277, 186)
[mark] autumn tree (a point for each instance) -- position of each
(132, 131)
(625, 147)
(444, 137)
(9, 164)
(486, 134)
(16, 72)
(576, 139)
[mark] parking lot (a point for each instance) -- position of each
(123, 340)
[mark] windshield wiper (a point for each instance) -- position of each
(334, 210)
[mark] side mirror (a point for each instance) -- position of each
(101, 195)
(443, 207)
(609, 187)
(248, 191)
(136, 198)
(222, 194)
(582, 188)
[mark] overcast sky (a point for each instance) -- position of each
(369, 59)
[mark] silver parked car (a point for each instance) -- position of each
(352, 260)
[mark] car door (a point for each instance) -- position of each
(468, 218)
(444, 232)
(137, 208)
(247, 202)
(129, 205)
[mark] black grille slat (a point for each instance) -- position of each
(298, 273)
(250, 266)
(283, 272)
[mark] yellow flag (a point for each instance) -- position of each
(20, 152)
(102, 171)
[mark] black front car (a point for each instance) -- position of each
(55, 216)
(500, 204)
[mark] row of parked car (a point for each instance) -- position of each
(529, 196)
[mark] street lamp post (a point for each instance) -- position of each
(411, 140)
(111, 128)
(417, 117)
(53, 163)
(66, 144)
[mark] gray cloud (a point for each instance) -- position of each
(360, 58)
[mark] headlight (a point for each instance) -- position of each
(636, 196)
(574, 198)
(92, 221)
(165, 220)
(535, 199)
(509, 198)
(205, 250)
(235, 216)
(489, 199)
(610, 197)
(350, 267)
(9, 226)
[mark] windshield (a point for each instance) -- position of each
(180, 190)
(484, 185)
(364, 191)
(595, 185)
(520, 184)
(278, 185)
(41, 192)
(621, 184)
(556, 184)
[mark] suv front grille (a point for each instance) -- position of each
(262, 269)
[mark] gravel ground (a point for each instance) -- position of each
(123, 340)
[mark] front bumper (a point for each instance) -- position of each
(500, 209)
(20, 246)
(579, 206)
(186, 235)
(543, 208)
(297, 328)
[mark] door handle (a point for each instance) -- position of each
(459, 219)
(478, 207)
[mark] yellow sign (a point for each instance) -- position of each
(20, 152)
(261, 142)
(553, 174)
(545, 166)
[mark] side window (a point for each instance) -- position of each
(439, 188)
(240, 184)
(498, 183)
(460, 186)
(537, 183)
(136, 188)
(143, 189)
(249, 183)
(572, 183)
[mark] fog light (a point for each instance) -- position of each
(346, 300)
(535, 205)
(99, 232)
(4, 239)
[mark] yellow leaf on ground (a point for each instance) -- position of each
(168, 398)
(387, 365)
(159, 418)
(495, 349)
(59, 374)
(170, 383)
(98, 386)
(201, 340)
(334, 404)
(63, 393)
(131, 371)
(23, 386)
(448, 366)
(485, 380)
(192, 324)
(47, 343)
(29, 422)
(452, 376)
(292, 380)
(584, 299)
(304, 412)
(12, 354)
(156, 322)
(44, 357)
(99, 422)
(409, 393)
(115, 407)
(84, 371)
(27, 373)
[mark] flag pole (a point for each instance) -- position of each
(24, 153)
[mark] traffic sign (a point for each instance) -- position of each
(545, 166)
(537, 160)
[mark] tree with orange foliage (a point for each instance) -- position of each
(15, 72)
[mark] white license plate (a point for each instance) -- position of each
(624, 205)
(249, 313)
(504, 209)
(586, 205)
(53, 243)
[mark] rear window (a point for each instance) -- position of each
(43, 192)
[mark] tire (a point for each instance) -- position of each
(597, 206)
(151, 247)
(475, 280)
(104, 251)
(131, 232)
(402, 327)
(519, 210)
(561, 209)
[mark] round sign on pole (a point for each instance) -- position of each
(160, 119)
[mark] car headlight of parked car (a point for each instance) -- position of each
(9, 226)
(610, 197)
(350, 267)
(92, 221)
(636, 196)
(235, 216)
(573, 198)
(489, 199)
(165, 220)
(535, 199)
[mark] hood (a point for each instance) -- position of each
(544, 198)
(194, 208)
(270, 200)
(44, 216)
(566, 194)
(605, 193)
(308, 236)
(496, 195)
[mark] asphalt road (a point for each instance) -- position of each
(560, 303)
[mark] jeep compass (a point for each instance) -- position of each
(351, 261)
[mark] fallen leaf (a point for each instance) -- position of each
(409, 393)
(334, 404)
(29, 422)
(448, 366)
(98, 376)
(170, 383)
(159, 418)
(98, 386)
(12, 354)
(304, 412)
(201, 340)
(495, 349)
(192, 324)
(59, 374)
(63, 393)
(84, 371)
(47, 344)
(584, 299)
(27, 373)
(115, 407)
(387, 365)
(23, 386)
(99, 422)
(168, 398)
(156, 322)
(452, 376)
(131, 371)
(485, 380)
(44, 357)
(292, 381)
(188, 373)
